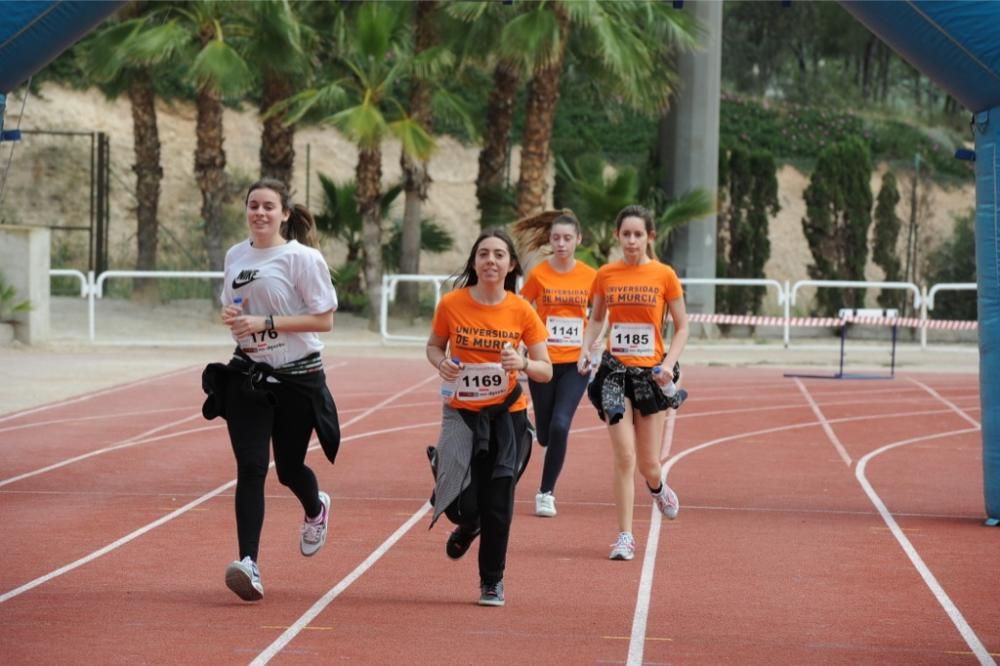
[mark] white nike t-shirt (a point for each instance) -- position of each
(290, 279)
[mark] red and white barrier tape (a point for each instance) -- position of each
(819, 322)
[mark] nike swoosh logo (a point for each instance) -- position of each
(237, 283)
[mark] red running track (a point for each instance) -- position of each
(822, 522)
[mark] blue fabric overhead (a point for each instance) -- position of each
(953, 43)
(33, 33)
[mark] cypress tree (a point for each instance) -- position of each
(838, 215)
(885, 251)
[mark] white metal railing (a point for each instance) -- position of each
(92, 288)
(928, 301)
(389, 283)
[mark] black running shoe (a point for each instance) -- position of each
(459, 541)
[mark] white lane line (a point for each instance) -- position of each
(958, 410)
(824, 423)
(95, 394)
(640, 617)
(300, 624)
(174, 514)
(142, 438)
(204, 498)
(978, 649)
(99, 417)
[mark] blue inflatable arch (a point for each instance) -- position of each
(955, 44)
(33, 33)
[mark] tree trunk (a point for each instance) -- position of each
(493, 157)
(277, 142)
(369, 191)
(148, 174)
(539, 115)
(866, 68)
(416, 179)
(210, 172)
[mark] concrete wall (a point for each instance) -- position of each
(24, 262)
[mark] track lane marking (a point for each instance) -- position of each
(949, 607)
(204, 498)
(832, 436)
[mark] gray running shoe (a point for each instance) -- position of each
(491, 594)
(243, 578)
(667, 502)
(314, 533)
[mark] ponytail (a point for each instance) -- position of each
(533, 231)
(300, 226)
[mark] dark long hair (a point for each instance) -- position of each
(300, 224)
(468, 277)
(533, 231)
(643, 214)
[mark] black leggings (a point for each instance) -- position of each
(252, 425)
(489, 503)
(555, 404)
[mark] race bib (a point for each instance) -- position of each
(261, 342)
(481, 381)
(632, 339)
(564, 331)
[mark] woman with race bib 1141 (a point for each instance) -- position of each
(631, 386)
(485, 435)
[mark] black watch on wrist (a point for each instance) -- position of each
(269, 322)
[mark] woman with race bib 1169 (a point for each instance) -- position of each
(485, 435)
(631, 386)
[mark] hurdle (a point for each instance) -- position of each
(874, 316)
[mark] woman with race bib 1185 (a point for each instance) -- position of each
(628, 389)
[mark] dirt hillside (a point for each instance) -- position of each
(49, 182)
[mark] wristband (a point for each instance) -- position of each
(269, 322)
(525, 368)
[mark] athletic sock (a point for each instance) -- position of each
(657, 491)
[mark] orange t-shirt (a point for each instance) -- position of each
(476, 335)
(561, 300)
(636, 298)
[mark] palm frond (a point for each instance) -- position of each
(310, 105)
(219, 66)
(531, 40)
(363, 124)
(415, 140)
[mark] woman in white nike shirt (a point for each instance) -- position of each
(276, 298)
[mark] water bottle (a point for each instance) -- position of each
(669, 389)
(448, 389)
(238, 302)
(593, 365)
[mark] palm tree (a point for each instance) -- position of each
(123, 57)
(217, 70)
(370, 59)
(596, 191)
(625, 44)
(275, 50)
(340, 218)
(478, 40)
(416, 179)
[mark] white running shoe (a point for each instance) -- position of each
(243, 578)
(314, 533)
(545, 505)
(667, 502)
(623, 548)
